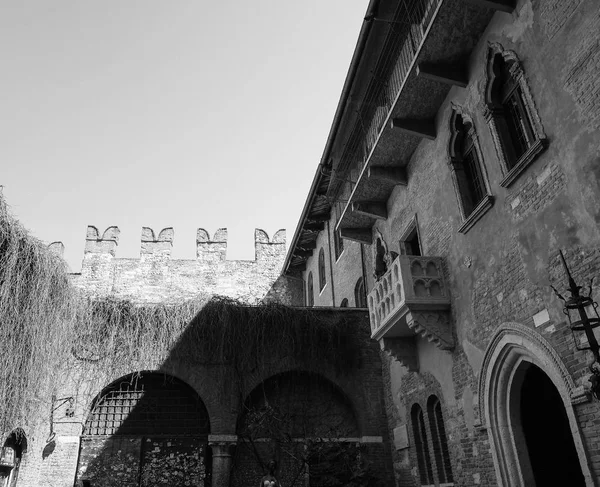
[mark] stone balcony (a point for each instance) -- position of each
(411, 299)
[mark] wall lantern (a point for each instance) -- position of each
(582, 312)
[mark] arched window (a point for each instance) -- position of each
(421, 445)
(439, 440)
(310, 294)
(511, 113)
(360, 297)
(338, 244)
(468, 173)
(322, 278)
(344, 303)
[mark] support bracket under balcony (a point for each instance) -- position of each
(420, 128)
(500, 5)
(448, 74)
(433, 326)
(374, 209)
(404, 350)
(396, 175)
(360, 235)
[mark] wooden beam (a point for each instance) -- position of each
(420, 128)
(502, 5)
(448, 74)
(307, 245)
(318, 218)
(312, 226)
(393, 174)
(302, 253)
(360, 235)
(374, 209)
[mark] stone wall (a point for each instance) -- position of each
(155, 277)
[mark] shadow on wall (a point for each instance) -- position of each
(157, 428)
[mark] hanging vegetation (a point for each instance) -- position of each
(49, 330)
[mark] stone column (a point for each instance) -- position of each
(221, 458)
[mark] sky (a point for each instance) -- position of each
(176, 113)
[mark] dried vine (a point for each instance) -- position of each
(50, 330)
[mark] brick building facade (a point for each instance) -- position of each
(463, 156)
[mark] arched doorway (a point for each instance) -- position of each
(526, 398)
(546, 430)
(147, 430)
(11, 456)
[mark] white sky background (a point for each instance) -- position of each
(167, 113)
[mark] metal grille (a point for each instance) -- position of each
(148, 406)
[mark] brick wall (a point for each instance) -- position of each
(155, 277)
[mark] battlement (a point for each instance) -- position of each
(156, 277)
(161, 245)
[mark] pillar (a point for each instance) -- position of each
(221, 458)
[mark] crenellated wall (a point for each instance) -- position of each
(156, 277)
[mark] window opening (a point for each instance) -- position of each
(360, 296)
(322, 277)
(338, 243)
(439, 440)
(421, 446)
(511, 114)
(344, 303)
(310, 294)
(466, 165)
(411, 244)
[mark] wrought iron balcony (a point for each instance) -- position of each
(411, 299)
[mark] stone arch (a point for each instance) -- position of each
(293, 418)
(15, 445)
(288, 365)
(202, 383)
(146, 429)
(513, 346)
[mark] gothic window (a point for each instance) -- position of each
(310, 294)
(439, 440)
(510, 111)
(468, 174)
(344, 303)
(360, 297)
(338, 243)
(322, 278)
(421, 446)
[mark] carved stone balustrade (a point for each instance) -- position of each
(411, 299)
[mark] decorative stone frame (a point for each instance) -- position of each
(494, 115)
(512, 349)
(455, 163)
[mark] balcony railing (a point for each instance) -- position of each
(407, 31)
(411, 297)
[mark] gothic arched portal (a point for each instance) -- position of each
(526, 398)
